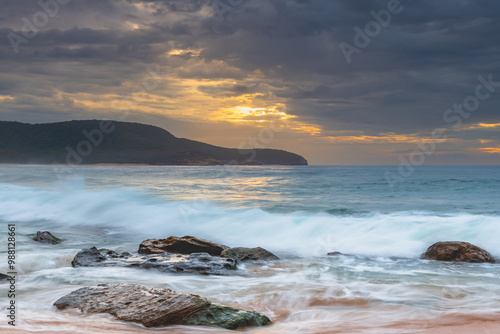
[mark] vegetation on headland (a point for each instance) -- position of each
(111, 142)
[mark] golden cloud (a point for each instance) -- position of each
(490, 150)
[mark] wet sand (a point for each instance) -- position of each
(466, 325)
(459, 324)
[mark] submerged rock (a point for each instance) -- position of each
(248, 254)
(335, 254)
(184, 245)
(201, 263)
(457, 251)
(154, 307)
(46, 237)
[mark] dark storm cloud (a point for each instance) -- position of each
(428, 58)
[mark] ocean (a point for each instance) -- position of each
(300, 213)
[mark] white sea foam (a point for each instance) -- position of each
(141, 215)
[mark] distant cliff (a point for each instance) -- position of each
(95, 142)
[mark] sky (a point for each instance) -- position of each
(341, 82)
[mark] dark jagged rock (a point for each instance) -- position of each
(201, 263)
(457, 251)
(122, 143)
(334, 254)
(4, 278)
(46, 238)
(184, 245)
(154, 307)
(248, 254)
(109, 252)
(91, 257)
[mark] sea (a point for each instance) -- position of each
(378, 285)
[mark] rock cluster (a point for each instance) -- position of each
(159, 307)
(201, 263)
(153, 307)
(187, 254)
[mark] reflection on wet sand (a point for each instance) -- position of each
(456, 324)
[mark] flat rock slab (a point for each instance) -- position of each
(136, 303)
(457, 251)
(201, 263)
(184, 245)
(154, 307)
(248, 254)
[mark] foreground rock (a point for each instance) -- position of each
(4, 278)
(46, 237)
(457, 251)
(153, 307)
(184, 245)
(248, 254)
(201, 263)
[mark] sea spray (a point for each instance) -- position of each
(401, 234)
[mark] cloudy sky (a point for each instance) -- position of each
(337, 81)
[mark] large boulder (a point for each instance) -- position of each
(46, 237)
(131, 302)
(200, 263)
(248, 254)
(457, 251)
(184, 245)
(154, 307)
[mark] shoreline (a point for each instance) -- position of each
(456, 324)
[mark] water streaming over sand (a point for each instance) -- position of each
(300, 213)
